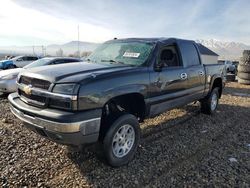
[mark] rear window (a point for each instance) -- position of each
(61, 61)
(190, 54)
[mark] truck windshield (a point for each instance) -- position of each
(124, 53)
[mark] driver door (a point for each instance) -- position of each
(168, 81)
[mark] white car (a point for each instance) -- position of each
(19, 61)
(8, 77)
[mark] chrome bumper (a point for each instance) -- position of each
(86, 127)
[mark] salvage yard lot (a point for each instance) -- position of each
(180, 147)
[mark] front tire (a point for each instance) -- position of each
(210, 103)
(121, 140)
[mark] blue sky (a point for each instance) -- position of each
(42, 22)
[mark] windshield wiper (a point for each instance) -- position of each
(112, 61)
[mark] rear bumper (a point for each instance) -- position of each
(8, 86)
(72, 128)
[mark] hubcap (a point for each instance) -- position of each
(123, 141)
(214, 102)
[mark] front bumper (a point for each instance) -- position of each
(8, 86)
(72, 128)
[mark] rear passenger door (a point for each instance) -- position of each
(195, 70)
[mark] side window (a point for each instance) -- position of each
(68, 60)
(31, 58)
(25, 58)
(190, 55)
(20, 59)
(169, 57)
(59, 61)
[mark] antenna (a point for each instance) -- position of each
(78, 50)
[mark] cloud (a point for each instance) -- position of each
(57, 20)
(22, 22)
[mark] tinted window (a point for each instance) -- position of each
(25, 58)
(20, 59)
(30, 58)
(169, 57)
(60, 61)
(71, 60)
(38, 63)
(189, 53)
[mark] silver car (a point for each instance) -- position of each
(8, 77)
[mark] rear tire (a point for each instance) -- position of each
(121, 140)
(210, 103)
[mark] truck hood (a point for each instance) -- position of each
(72, 72)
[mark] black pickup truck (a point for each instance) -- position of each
(122, 82)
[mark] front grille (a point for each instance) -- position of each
(41, 84)
(39, 99)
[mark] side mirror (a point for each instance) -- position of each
(19, 60)
(158, 67)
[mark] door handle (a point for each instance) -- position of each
(158, 82)
(201, 73)
(184, 76)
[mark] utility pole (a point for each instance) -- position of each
(78, 47)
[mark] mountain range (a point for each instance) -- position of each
(225, 50)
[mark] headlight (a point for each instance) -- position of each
(9, 77)
(70, 89)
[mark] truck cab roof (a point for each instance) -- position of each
(151, 40)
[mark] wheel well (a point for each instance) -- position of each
(129, 103)
(217, 83)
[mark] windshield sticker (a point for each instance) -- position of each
(131, 54)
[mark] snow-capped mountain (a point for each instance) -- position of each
(225, 50)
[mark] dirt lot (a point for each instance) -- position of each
(179, 148)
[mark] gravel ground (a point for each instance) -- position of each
(179, 148)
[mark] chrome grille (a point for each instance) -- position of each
(37, 83)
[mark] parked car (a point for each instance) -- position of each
(123, 82)
(229, 66)
(17, 62)
(8, 77)
(9, 57)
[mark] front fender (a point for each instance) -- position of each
(214, 77)
(97, 99)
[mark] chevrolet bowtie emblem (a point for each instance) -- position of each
(28, 89)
